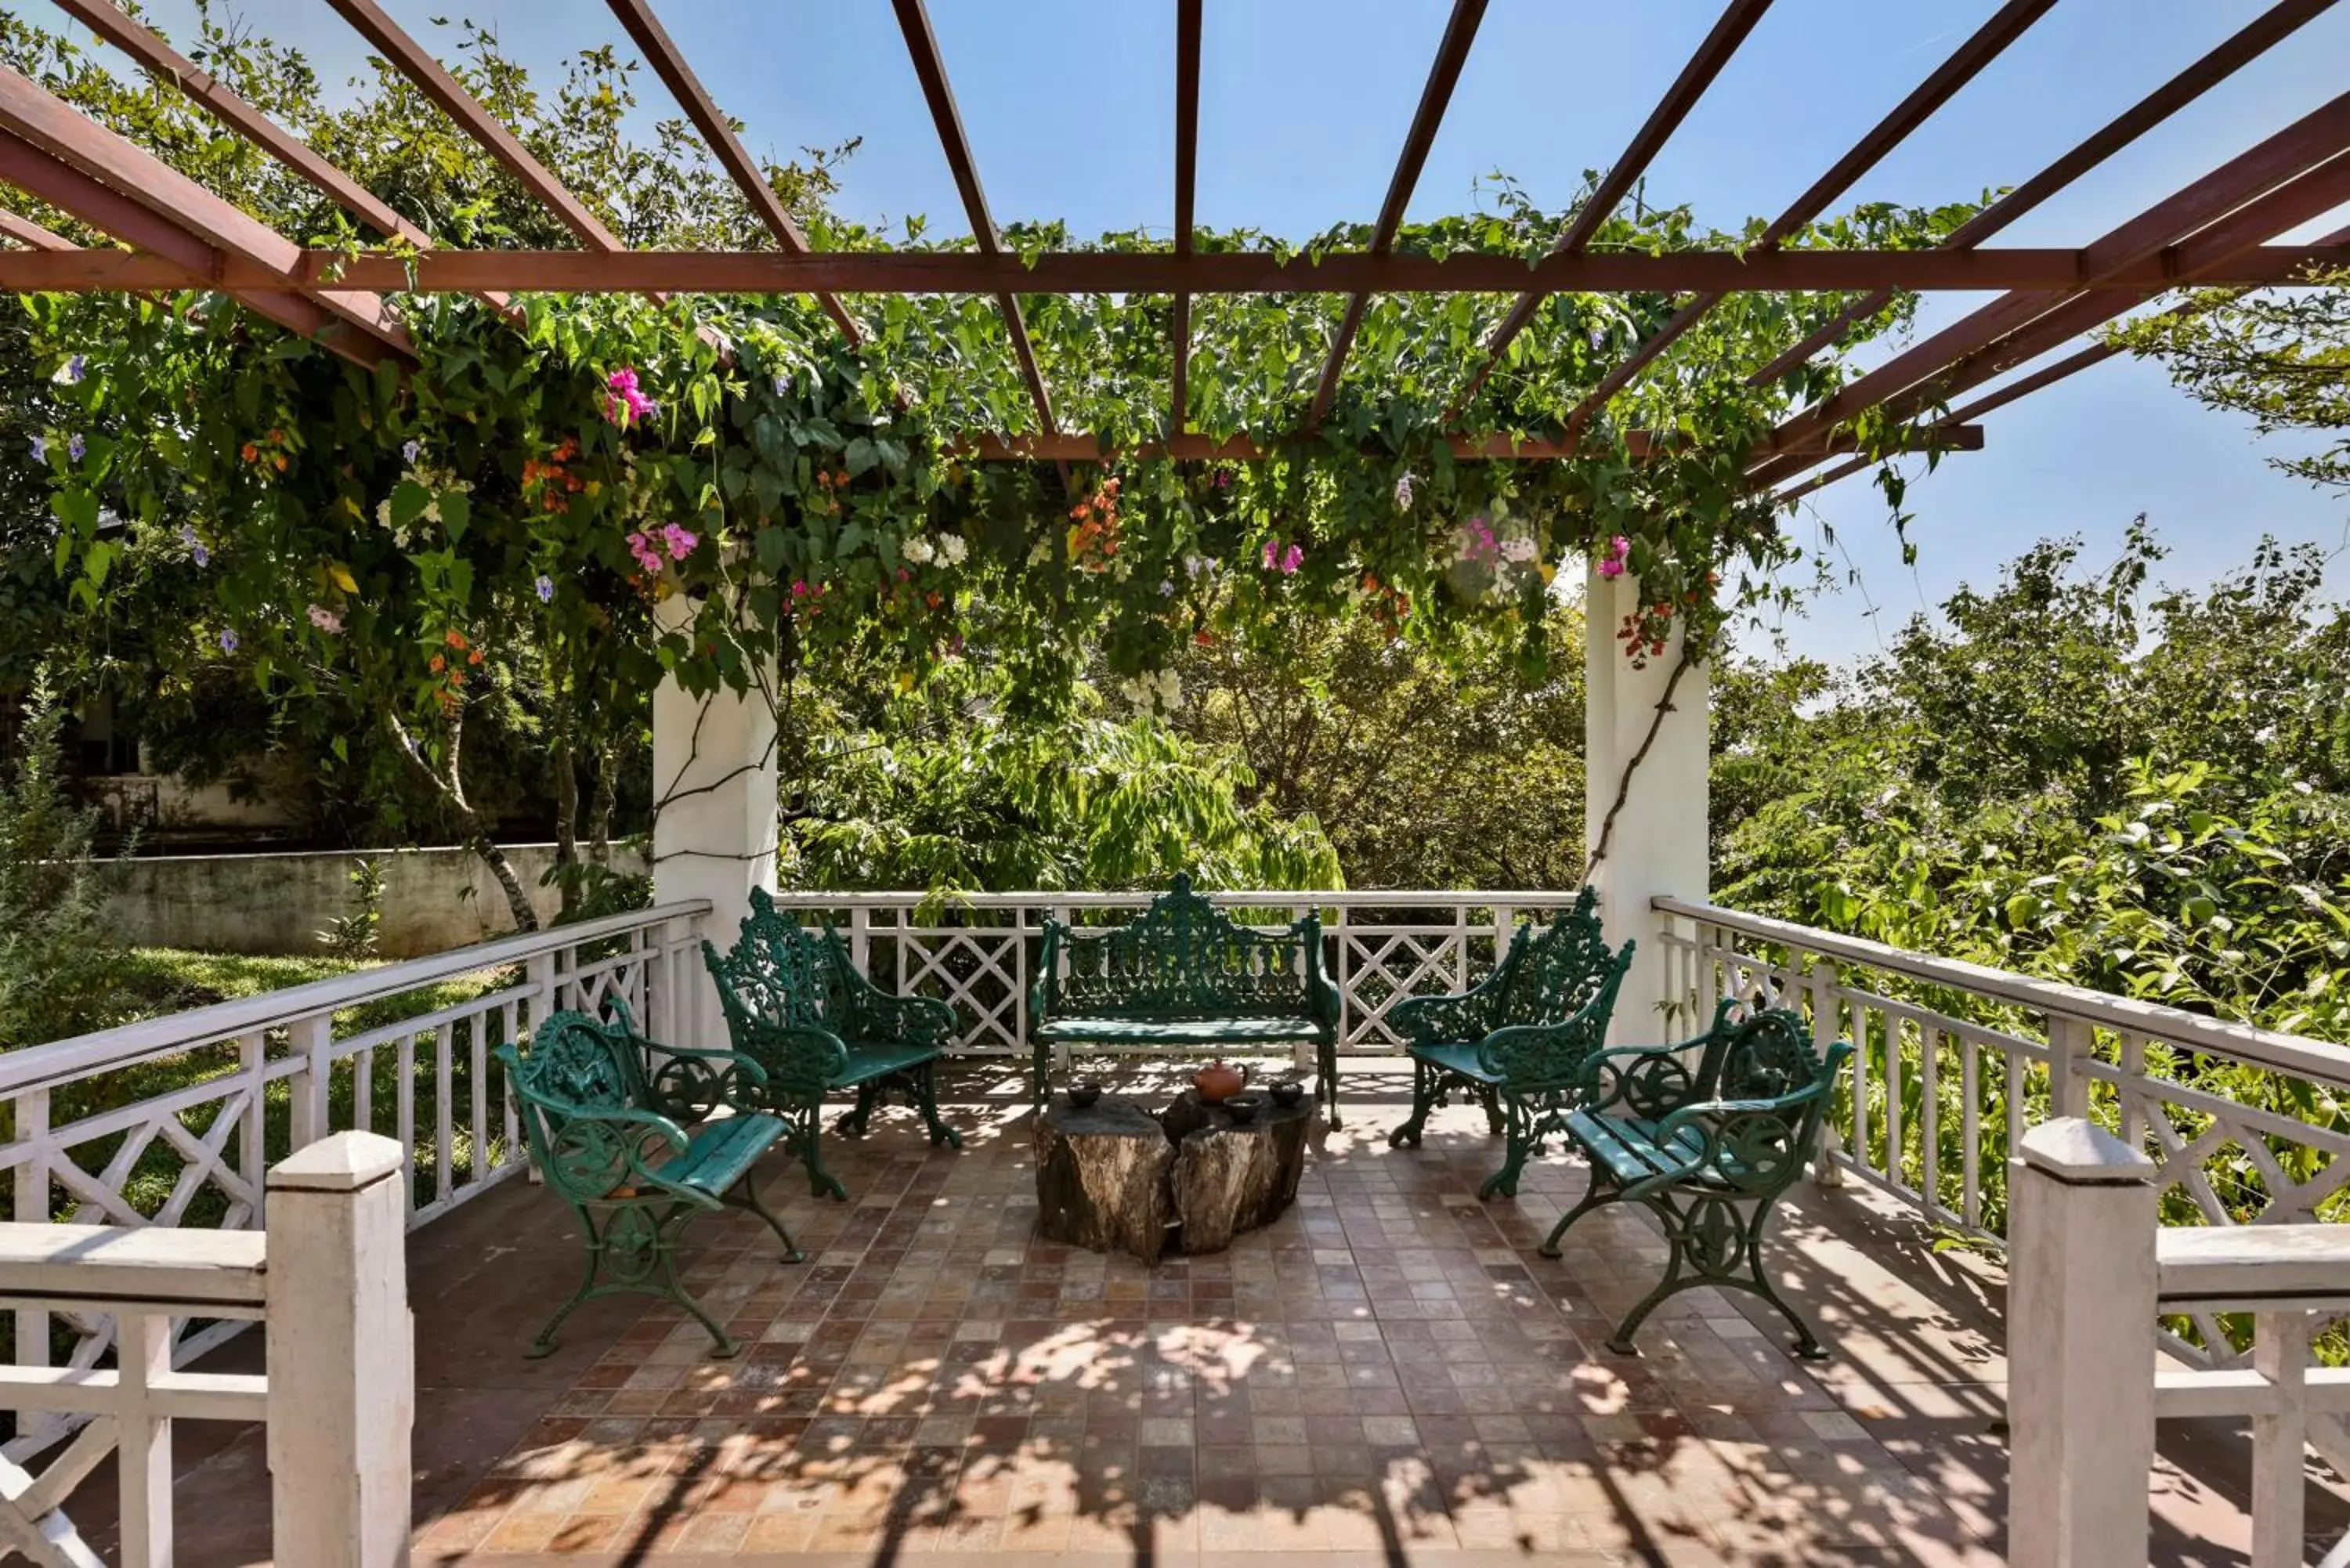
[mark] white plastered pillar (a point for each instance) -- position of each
(1657, 845)
(714, 816)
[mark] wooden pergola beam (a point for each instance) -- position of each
(31, 236)
(653, 41)
(1186, 175)
(930, 70)
(2255, 38)
(430, 78)
(1443, 76)
(2057, 271)
(1071, 446)
(1713, 54)
(1965, 63)
(43, 123)
(2312, 142)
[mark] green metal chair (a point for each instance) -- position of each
(1517, 1041)
(604, 1111)
(796, 1005)
(1708, 1134)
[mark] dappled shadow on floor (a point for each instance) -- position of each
(1389, 1373)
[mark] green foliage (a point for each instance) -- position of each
(60, 971)
(2281, 357)
(354, 936)
(1424, 772)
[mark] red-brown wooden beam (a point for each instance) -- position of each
(1187, 174)
(63, 134)
(653, 42)
(2311, 142)
(2057, 271)
(2263, 33)
(433, 80)
(1967, 62)
(179, 260)
(930, 70)
(2023, 387)
(1713, 54)
(30, 235)
(1078, 447)
(1443, 76)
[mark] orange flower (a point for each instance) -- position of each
(438, 664)
(249, 451)
(475, 656)
(280, 461)
(456, 638)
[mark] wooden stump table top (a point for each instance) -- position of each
(1115, 1176)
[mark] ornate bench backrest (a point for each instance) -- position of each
(581, 1065)
(780, 975)
(1768, 1055)
(1183, 956)
(1564, 969)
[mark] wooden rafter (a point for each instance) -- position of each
(653, 41)
(1443, 76)
(2312, 142)
(414, 61)
(922, 45)
(2255, 38)
(1187, 172)
(1074, 447)
(1968, 61)
(30, 235)
(1160, 271)
(42, 123)
(1713, 54)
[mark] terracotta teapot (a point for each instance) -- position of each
(1218, 1082)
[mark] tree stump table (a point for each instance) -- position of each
(1114, 1178)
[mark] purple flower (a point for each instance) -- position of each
(196, 550)
(545, 585)
(1403, 488)
(408, 452)
(75, 447)
(40, 448)
(74, 370)
(227, 641)
(783, 384)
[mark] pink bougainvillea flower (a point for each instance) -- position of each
(1292, 559)
(679, 541)
(628, 404)
(646, 552)
(1272, 553)
(1619, 549)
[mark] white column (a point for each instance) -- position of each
(714, 806)
(2081, 1349)
(341, 1353)
(1659, 843)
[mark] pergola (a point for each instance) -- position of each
(718, 838)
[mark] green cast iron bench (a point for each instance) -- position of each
(605, 1112)
(1184, 976)
(1517, 1041)
(1707, 1134)
(796, 1004)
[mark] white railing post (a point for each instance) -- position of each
(2071, 1043)
(342, 1379)
(142, 1352)
(32, 1208)
(1826, 1017)
(313, 1040)
(2080, 1348)
(2281, 1356)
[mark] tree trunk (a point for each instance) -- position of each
(603, 803)
(567, 807)
(1101, 1177)
(449, 781)
(525, 919)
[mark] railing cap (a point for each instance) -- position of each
(340, 1162)
(2074, 1149)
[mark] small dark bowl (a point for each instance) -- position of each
(1243, 1108)
(1287, 1092)
(1083, 1096)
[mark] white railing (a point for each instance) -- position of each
(979, 951)
(171, 1122)
(329, 1280)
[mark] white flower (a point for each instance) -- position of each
(1171, 690)
(918, 550)
(952, 549)
(1403, 490)
(383, 511)
(1518, 550)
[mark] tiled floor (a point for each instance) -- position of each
(1389, 1373)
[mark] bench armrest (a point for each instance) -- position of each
(1322, 992)
(799, 1061)
(1755, 1146)
(1452, 1019)
(1529, 1055)
(1653, 1080)
(1045, 989)
(902, 1020)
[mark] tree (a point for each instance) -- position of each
(2283, 358)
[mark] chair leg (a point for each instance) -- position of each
(1599, 1195)
(926, 1100)
(854, 1121)
(1040, 1080)
(1423, 1100)
(808, 1118)
(544, 1343)
(1329, 1082)
(1519, 1132)
(723, 1345)
(745, 1195)
(1807, 1343)
(1489, 1094)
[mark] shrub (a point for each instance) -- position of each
(61, 971)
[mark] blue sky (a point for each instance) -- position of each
(1069, 106)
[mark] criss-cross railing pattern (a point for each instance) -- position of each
(171, 1122)
(980, 952)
